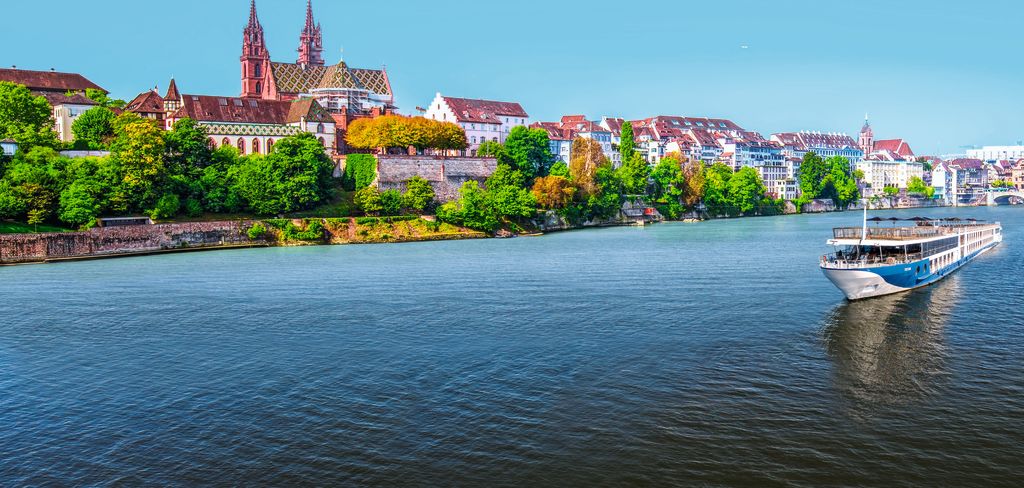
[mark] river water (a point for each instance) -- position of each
(708, 354)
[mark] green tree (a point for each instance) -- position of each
(669, 182)
(138, 151)
(527, 150)
(391, 202)
(101, 97)
(95, 127)
(843, 181)
(187, 147)
(627, 146)
(634, 173)
(717, 187)
(489, 149)
(916, 185)
(559, 169)
(746, 189)
(813, 171)
(80, 203)
(419, 194)
(470, 210)
(24, 117)
(369, 200)
(166, 207)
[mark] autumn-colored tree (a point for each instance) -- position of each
(694, 177)
(395, 131)
(553, 191)
(584, 160)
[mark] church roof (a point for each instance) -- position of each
(204, 108)
(48, 80)
(146, 103)
(296, 78)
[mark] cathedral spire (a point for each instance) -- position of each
(254, 20)
(311, 46)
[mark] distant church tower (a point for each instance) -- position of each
(255, 58)
(311, 44)
(867, 138)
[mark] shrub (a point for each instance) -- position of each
(369, 200)
(257, 231)
(166, 207)
(193, 207)
(391, 202)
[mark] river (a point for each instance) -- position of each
(707, 354)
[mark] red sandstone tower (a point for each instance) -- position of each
(311, 44)
(255, 57)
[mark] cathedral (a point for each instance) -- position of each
(347, 93)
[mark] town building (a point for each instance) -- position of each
(150, 104)
(1017, 175)
(700, 133)
(943, 180)
(881, 172)
(750, 149)
(483, 120)
(824, 144)
(251, 125)
(996, 153)
(559, 140)
(347, 93)
(572, 126)
(969, 180)
(65, 92)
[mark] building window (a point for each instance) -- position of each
(474, 139)
(241, 145)
(259, 87)
(255, 146)
(212, 143)
(225, 142)
(320, 128)
(270, 145)
(258, 71)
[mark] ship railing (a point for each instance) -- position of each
(843, 261)
(904, 233)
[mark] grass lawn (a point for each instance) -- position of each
(339, 206)
(8, 227)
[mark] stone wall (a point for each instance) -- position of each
(28, 248)
(446, 175)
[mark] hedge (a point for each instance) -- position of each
(360, 171)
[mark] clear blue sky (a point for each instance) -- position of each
(940, 74)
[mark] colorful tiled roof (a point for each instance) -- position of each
(296, 78)
(485, 111)
(48, 80)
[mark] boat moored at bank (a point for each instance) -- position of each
(881, 260)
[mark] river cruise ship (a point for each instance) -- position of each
(877, 260)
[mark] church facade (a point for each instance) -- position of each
(347, 93)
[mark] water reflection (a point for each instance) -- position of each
(891, 350)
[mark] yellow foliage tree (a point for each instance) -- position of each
(584, 160)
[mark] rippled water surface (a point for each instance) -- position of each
(711, 354)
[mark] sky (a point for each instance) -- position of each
(943, 75)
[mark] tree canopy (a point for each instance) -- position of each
(395, 131)
(24, 117)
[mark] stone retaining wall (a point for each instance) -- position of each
(446, 175)
(29, 248)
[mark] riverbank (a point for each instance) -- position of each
(110, 242)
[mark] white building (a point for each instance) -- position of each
(65, 92)
(880, 173)
(996, 153)
(750, 149)
(824, 144)
(483, 120)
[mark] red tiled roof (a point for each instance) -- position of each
(204, 108)
(669, 126)
(486, 111)
(967, 163)
(614, 124)
(146, 103)
(895, 146)
(554, 130)
(51, 81)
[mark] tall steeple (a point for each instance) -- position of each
(311, 45)
(867, 137)
(255, 57)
